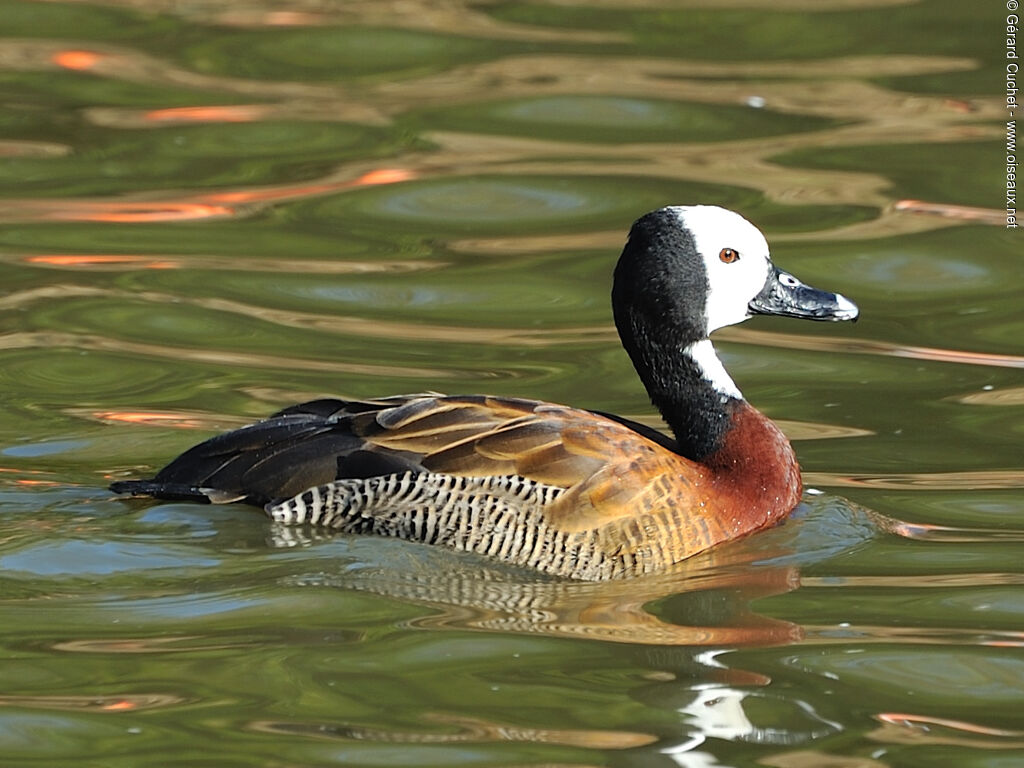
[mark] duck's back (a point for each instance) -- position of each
(326, 440)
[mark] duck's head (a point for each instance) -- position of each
(685, 272)
(698, 268)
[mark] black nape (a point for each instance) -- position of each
(658, 301)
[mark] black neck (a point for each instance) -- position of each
(697, 413)
(658, 301)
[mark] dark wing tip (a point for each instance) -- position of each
(158, 490)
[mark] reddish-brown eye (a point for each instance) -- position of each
(729, 255)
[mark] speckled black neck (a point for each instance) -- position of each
(658, 301)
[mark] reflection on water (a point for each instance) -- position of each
(716, 596)
(943, 480)
(212, 210)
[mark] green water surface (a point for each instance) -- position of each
(209, 211)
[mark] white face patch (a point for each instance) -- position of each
(731, 286)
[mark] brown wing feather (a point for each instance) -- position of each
(487, 436)
(549, 444)
(553, 464)
(518, 436)
(612, 474)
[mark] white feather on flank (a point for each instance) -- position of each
(703, 354)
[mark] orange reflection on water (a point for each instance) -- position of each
(77, 60)
(237, 113)
(384, 176)
(176, 420)
(25, 481)
(951, 211)
(219, 204)
(293, 191)
(121, 705)
(92, 703)
(94, 259)
(111, 211)
(232, 263)
(133, 212)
